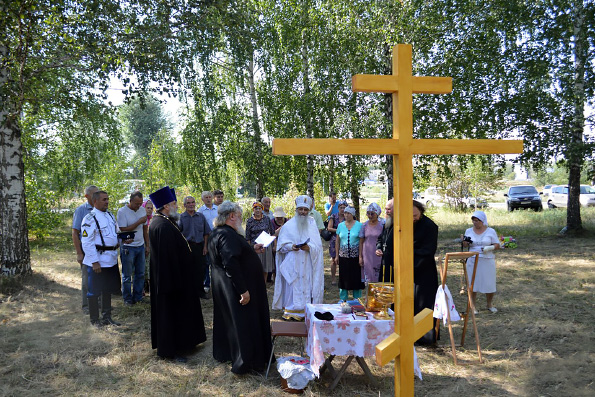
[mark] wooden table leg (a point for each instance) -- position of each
(366, 369)
(328, 364)
(340, 373)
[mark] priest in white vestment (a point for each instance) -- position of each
(300, 267)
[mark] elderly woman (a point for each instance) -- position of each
(368, 235)
(334, 221)
(347, 248)
(255, 225)
(483, 240)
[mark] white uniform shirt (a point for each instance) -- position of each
(90, 238)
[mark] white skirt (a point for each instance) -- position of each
(485, 277)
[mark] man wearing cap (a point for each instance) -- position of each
(133, 218)
(176, 317)
(99, 240)
(300, 272)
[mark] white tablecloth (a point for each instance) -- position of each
(346, 335)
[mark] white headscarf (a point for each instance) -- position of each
(481, 216)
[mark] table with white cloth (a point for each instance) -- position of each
(345, 335)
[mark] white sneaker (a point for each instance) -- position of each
(475, 311)
(493, 309)
(207, 290)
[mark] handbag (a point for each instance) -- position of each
(326, 235)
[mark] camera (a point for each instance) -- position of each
(467, 239)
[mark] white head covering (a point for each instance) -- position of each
(350, 210)
(303, 201)
(481, 216)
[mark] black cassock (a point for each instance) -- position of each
(241, 333)
(176, 317)
(425, 275)
(385, 243)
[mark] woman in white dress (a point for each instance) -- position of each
(483, 240)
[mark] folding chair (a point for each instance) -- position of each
(291, 329)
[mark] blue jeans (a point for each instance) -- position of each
(133, 260)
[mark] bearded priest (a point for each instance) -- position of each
(177, 324)
(300, 268)
(241, 320)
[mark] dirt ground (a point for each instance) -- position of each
(540, 343)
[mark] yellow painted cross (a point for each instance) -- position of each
(402, 85)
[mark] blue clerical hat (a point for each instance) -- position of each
(163, 196)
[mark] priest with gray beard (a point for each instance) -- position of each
(241, 321)
(385, 247)
(300, 267)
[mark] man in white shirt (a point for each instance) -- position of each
(209, 210)
(99, 240)
(133, 218)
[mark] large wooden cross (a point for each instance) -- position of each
(401, 84)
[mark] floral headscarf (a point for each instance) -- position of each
(257, 204)
(374, 208)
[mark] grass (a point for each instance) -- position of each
(540, 343)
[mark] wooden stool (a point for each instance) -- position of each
(291, 329)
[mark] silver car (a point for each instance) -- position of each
(559, 196)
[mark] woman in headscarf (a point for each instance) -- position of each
(334, 221)
(255, 225)
(484, 240)
(368, 235)
(347, 248)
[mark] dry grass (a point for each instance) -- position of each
(540, 343)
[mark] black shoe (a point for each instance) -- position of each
(180, 359)
(86, 310)
(97, 323)
(109, 321)
(128, 303)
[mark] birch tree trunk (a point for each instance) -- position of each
(388, 111)
(257, 134)
(14, 243)
(307, 114)
(576, 149)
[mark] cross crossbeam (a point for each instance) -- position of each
(401, 84)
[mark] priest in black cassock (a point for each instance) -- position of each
(425, 275)
(177, 324)
(385, 247)
(241, 321)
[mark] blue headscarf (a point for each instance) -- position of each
(374, 208)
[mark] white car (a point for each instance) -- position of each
(559, 196)
(547, 190)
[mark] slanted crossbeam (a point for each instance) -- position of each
(402, 85)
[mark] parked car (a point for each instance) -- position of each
(547, 190)
(430, 197)
(475, 202)
(559, 196)
(524, 196)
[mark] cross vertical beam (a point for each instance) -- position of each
(401, 84)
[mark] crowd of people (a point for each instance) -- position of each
(180, 258)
